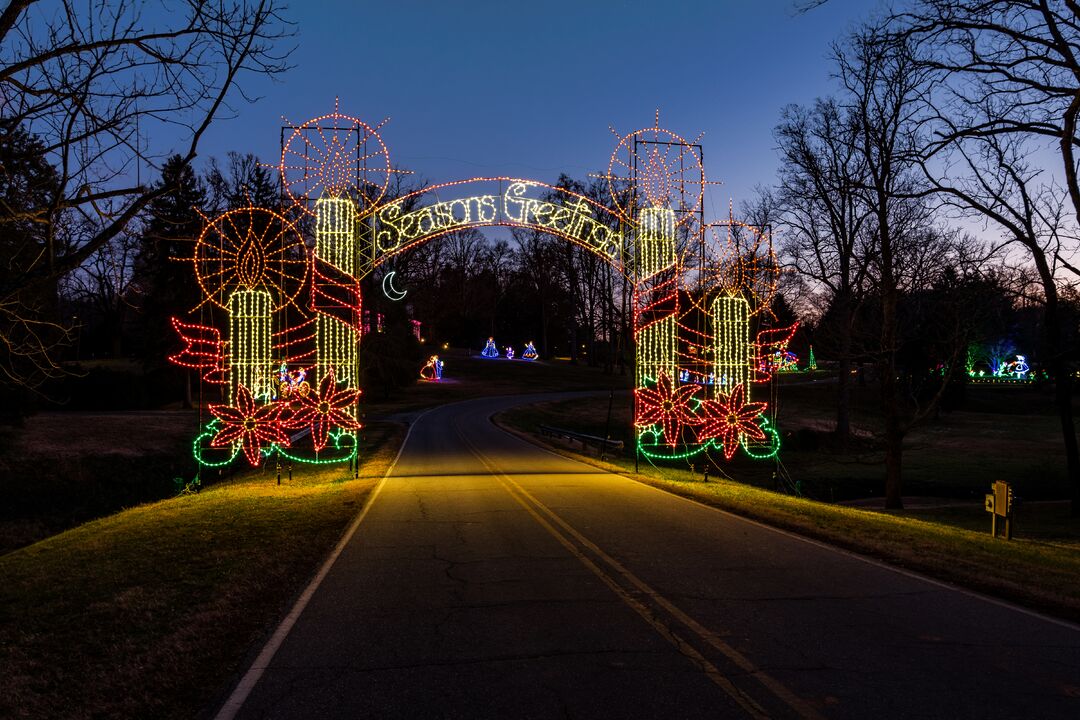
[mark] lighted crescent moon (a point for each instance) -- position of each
(388, 287)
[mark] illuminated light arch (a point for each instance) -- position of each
(508, 202)
(293, 312)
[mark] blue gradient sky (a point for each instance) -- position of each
(482, 87)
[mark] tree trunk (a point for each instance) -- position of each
(544, 349)
(1062, 384)
(890, 399)
(894, 438)
(843, 399)
(1052, 321)
(843, 379)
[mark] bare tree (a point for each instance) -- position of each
(885, 85)
(824, 218)
(107, 89)
(1012, 72)
(498, 262)
(103, 287)
(536, 254)
(990, 176)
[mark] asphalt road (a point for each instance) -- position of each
(493, 579)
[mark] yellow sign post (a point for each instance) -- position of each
(999, 503)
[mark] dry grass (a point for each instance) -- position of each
(151, 611)
(134, 433)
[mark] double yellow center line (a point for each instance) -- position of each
(648, 603)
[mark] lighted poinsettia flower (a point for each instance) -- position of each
(325, 409)
(249, 424)
(730, 419)
(668, 405)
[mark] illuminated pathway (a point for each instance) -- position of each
(492, 579)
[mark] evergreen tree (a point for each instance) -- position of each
(165, 286)
(30, 328)
(244, 182)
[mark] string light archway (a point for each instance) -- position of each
(287, 360)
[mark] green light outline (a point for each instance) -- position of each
(197, 449)
(353, 451)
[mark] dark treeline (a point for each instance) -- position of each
(73, 150)
(514, 285)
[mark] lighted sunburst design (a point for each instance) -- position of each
(654, 167)
(335, 156)
(251, 248)
(744, 264)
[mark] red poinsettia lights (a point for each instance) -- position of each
(325, 409)
(250, 424)
(730, 419)
(668, 405)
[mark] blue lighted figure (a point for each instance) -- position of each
(529, 353)
(1020, 367)
(684, 376)
(490, 351)
(509, 353)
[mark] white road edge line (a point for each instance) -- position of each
(247, 683)
(842, 551)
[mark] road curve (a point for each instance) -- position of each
(490, 578)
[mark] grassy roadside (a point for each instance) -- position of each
(153, 611)
(1031, 570)
(150, 612)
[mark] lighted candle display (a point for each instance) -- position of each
(732, 349)
(656, 298)
(335, 249)
(249, 342)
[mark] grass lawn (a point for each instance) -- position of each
(152, 612)
(64, 468)
(945, 538)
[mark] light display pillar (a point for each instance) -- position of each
(249, 342)
(656, 298)
(733, 352)
(335, 253)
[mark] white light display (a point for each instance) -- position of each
(250, 342)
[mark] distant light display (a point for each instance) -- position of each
(432, 370)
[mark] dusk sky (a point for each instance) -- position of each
(530, 90)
